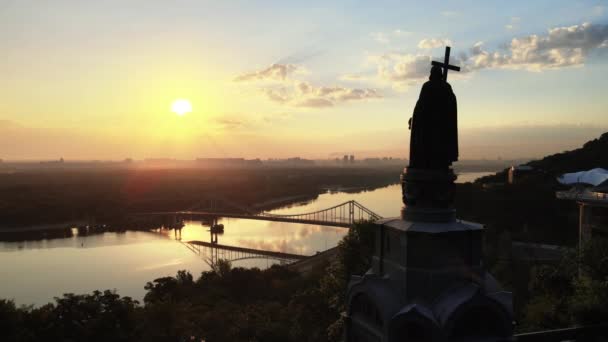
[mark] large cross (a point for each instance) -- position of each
(446, 64)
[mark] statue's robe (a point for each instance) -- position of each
(434, 136)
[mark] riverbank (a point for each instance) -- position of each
(43, 227)
(110, 196)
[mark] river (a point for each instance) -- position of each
(33, 272)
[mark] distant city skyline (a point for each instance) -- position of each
(97, 80)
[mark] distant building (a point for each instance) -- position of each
(297, 161)
(228, 162)
(592, 201)
(345, 159)
(352, 159)
(159, 160)
(517, 173)
(53, 162)
(372, 160)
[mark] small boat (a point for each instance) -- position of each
(217, 228)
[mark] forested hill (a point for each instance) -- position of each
(593, 154)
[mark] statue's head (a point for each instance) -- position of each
(436, 73)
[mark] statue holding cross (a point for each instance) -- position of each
(434, 136)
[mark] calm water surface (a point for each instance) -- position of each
(33, 272)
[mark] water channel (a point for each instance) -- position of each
(35, 271)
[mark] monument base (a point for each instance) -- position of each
(428, 195)
(427, 283)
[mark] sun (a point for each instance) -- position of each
(181, 107)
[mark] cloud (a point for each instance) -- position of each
(279, 95)
(560, 47)
(433, 43)
(314, 102)
(380, 37)
(400, 33)
(301, 56)
(231, 123)
(513, 24)
(353, 77)
(598, 11)
(275, 72)
(303, 94)
(403, 70)
(298, 93)
(450, 13)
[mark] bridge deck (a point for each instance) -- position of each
(281, 255)
(256, 217)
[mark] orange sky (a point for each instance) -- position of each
(85, 80)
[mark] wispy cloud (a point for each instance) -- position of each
(433, 43)
(513, 24)
(275, 72)
(560, 47)
(303, 94)
(450, 13)
(387, 37)
(401, 33)
(298, 93)
(231, 123)
(598, 11)
(380, 37)
(353, 77)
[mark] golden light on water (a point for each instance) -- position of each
(181, 107)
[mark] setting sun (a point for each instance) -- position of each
(181, 107)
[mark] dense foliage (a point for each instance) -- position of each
(591, 155)
(529, 209)
(225, 304)
(573, 292)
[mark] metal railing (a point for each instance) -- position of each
(580, 334)
(578, 195)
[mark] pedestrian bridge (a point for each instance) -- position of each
(215, 251)
(342, 215)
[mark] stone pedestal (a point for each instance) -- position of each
(428, 195)
(424, 259)
(427, 281)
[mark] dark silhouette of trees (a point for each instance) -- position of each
(574, 292)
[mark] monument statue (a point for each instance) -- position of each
(428, 181)
(434, 137)
(427, 280)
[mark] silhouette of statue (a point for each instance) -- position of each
(428, 182)
(434, 137)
